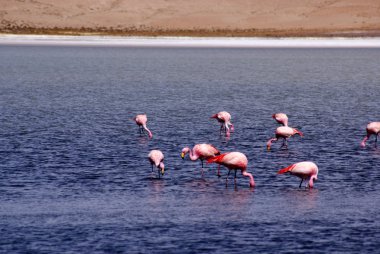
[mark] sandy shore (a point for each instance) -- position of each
(234, 18)
(240, 42)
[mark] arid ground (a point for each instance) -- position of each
(192, 18)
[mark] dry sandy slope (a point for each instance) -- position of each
(331, 15)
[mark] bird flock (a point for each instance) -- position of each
(237, 161)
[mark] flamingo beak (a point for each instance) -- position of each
(268, 148)
(162, 171)
(183, 156)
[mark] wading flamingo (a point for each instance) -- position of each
(283, 132)
(304, 170)
(201, 152)
(373, 128)
(233, 161)
(141, 121)
(156, 158)
(281, 118)
(224, 118)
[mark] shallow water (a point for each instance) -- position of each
(74, 171)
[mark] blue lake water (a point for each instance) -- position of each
(74, 174)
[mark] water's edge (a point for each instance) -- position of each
(236, 42)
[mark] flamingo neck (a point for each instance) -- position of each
(269, 143)
(295, 131)
(311, 181)
(251, 181)
(362, 144)
(161, 166)
(149, 132)
(232, 127)
(192, 155)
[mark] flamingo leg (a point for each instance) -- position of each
(219, 171)
(229, 171)
(152, 167)
(235, 177)
(286, 143)
(159, 176)
(202, 163)
(300, 183)
(376, 140)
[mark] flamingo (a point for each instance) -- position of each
(233, 161)
(281, 118)
(200, 151)
(373, 128)
(303, 170)
(156, 158)
(283, 132)
(141, 121)
(224, 118)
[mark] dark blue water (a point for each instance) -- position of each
(74, 174)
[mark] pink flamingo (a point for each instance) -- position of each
(283, 132)
(202, 152)
(224, 118)
(233, 161)
(156, 158)
(141, 121)
(303, 170)
(281, 118)
(373, 128)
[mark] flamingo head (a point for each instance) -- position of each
(184, 152)
(269, 143)
(311, 181)
(214, 116)
(297, 132)
(162, 168)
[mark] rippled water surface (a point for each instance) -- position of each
(74, 174)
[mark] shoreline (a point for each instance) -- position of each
(215, 32)
(197, 42)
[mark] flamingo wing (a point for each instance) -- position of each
(217, 159)
(287, 169)
(232, 160)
